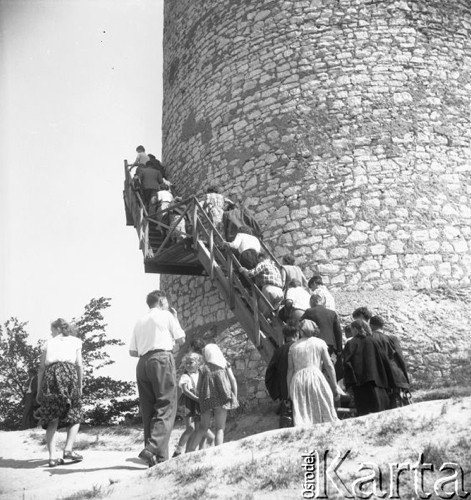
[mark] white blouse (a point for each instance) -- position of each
(62, 349)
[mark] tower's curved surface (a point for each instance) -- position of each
(344, 124)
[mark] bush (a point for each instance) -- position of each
(112, 412)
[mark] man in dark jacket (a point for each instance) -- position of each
(328, 323)
(150, 181)
(276, 375)
(389, 344)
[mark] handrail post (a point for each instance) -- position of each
(230, 275)
(256, 318)
(211, 252)
(195, 230)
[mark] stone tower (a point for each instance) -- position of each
(345, 126)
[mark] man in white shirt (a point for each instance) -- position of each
(153, 339)
(297, 300)
(247, 247)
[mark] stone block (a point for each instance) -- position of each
(390, 262)
(328, 268)
(329, 242)
(444, 269)
(396, 246)
(382, 236)
(362, 226)
(369, 266)
(378, 249)
(420, 235)
(356, 237)
(339, 253)
(460, 246)
(431, 246)
(360, 250)
(427, 270)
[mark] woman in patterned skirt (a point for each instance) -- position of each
(60, 389)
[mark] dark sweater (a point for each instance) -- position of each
(328, 323)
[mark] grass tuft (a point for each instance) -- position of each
(193, 474)
(95, 492)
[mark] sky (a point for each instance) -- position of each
(80, 88)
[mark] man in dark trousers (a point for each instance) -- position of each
(276, 375)
(152, 342)
(151, 181)
(328, 322)
(389, 344)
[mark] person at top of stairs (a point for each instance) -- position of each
(141, 159)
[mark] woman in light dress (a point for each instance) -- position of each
(311, 392)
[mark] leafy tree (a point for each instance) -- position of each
(17, 357)
(91, 330)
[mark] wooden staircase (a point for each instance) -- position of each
(202, 252)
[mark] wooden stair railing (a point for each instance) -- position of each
(220, 264)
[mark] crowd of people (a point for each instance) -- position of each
(366, 370)
(314, 371)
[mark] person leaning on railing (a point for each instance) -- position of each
(141, 159)
(246, 246)
(268, 279)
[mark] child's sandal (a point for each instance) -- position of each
(55, 462)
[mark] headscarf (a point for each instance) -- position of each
(307, 328)
(212, 354)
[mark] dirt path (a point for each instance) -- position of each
(25, 475)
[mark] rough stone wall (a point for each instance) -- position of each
(344, 124)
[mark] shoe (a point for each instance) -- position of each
(72, 455)
(55, 462)
(148, 457)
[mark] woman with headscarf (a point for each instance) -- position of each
(60, 389)
(311, 392)
(366, 370)
(217, 392)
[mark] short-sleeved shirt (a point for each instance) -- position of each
(266, 273)
(243, 242)
(300, 297)
(164, 196)
(141, 158)
(158, 329)
(189, 379)
(62, 349)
